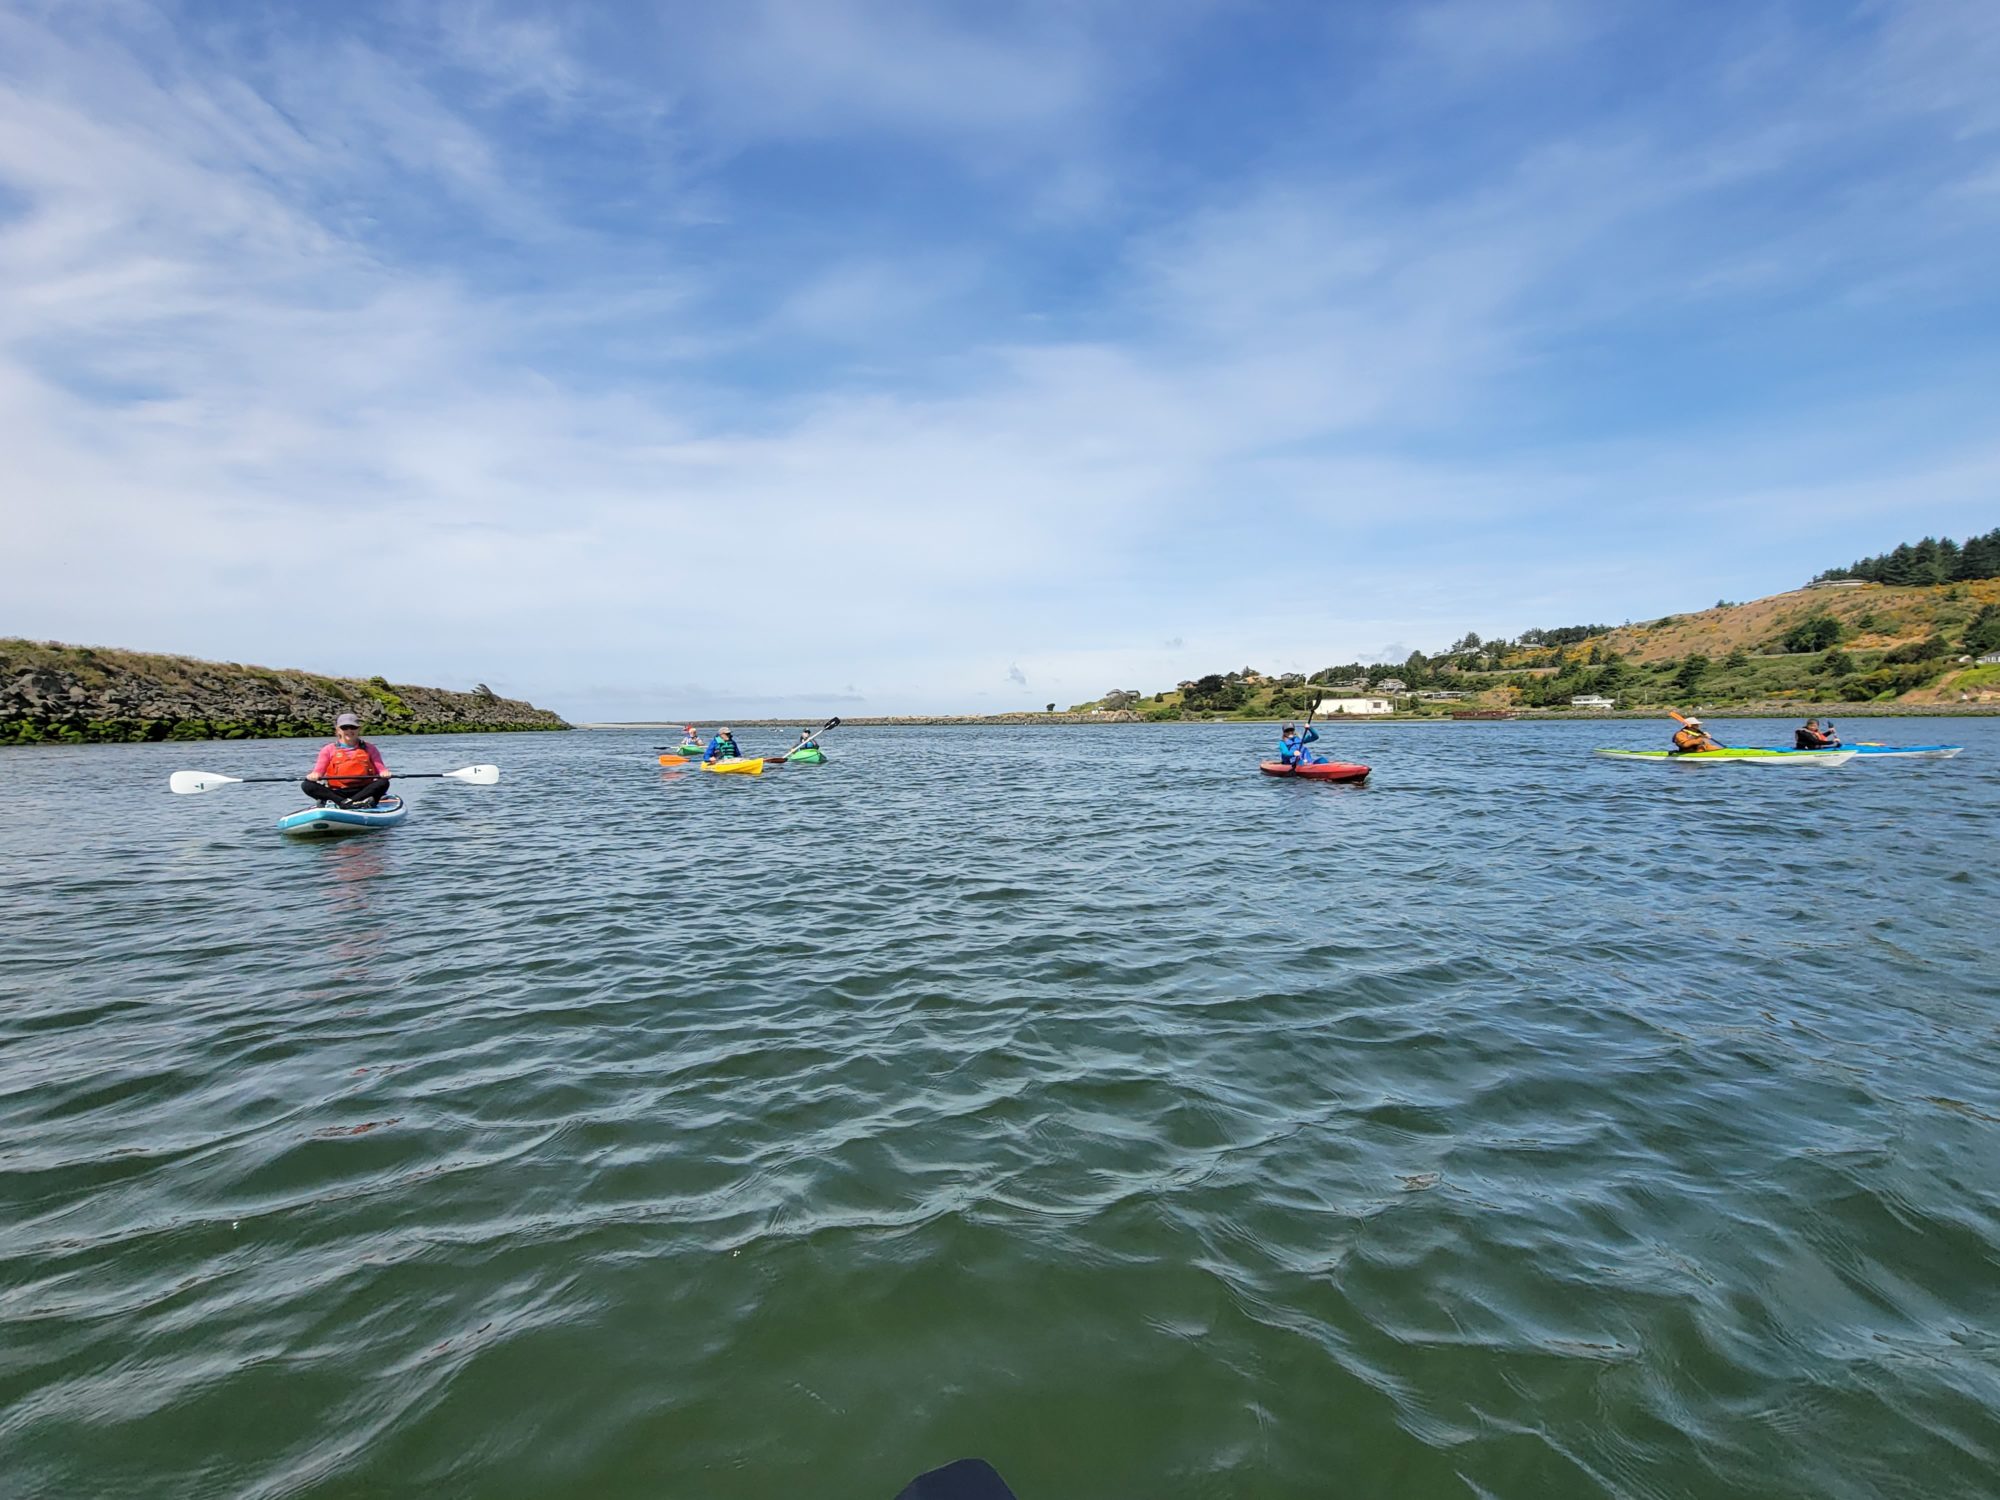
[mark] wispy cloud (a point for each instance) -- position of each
(536, 342)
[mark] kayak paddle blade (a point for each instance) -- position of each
(476, 775)
(186, 782)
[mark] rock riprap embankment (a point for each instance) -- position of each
(54, 694)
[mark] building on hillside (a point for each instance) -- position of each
(1990, 659)
(1440, 695)
(1592, 700)
(1353, 707)
(1838, 583)
(1392, 685)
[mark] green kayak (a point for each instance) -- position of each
(811, 755)
(1736, 757)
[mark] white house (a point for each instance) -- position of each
(1592, 700)
(1392, 685)
(1348, 707)
(1990, 659)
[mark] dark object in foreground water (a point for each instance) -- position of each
(966, 1479)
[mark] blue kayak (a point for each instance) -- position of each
(1907, 752)
(326, 820)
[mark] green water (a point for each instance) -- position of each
(1519, 1124)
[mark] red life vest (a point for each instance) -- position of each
(348, 766)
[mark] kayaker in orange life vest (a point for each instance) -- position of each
(350, 772)
(1812, 737)
(1691, 737)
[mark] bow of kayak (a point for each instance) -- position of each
(736, 767)
(1331, 770)
(325, 821)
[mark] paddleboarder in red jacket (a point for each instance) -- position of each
(350, 772)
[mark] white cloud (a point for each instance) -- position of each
(1308, 411)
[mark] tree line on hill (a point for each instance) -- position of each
(1930, 561)
(1543, 673)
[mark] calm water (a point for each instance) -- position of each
(1518, 1125)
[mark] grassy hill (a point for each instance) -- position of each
(1873, 644)
(59, 694)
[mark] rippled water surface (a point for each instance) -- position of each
(1520, 1124)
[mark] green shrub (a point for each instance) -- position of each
(1815, 633)
(1983, 634)
(1933, 649)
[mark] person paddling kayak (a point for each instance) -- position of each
(723, 746)
(350, 772)
(1292, 747)
(1691, 738)
(1812, 737)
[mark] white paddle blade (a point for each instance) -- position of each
(477, 775)
(185, 782)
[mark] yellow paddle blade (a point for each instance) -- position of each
(735, 767)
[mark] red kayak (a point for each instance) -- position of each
(1331, 770)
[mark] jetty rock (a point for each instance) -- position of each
(57, 694)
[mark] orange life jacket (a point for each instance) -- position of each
(349, 765)
(1690, 739)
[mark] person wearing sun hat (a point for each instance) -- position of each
(723, 746)
(350, 772)
(1691, 737)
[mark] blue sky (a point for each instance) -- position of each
(873, 356)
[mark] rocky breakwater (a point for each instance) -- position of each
(53, 694)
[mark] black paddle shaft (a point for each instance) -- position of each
(392, 776)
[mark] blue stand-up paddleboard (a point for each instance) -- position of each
(326, 820)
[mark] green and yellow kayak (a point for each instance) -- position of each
(1738, 757)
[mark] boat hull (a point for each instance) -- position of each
(1736, 757)
(1331, 770)
(336, 822)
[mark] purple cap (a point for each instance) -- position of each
(347, 721)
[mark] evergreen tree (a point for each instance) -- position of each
(1929, 561)
(1815, 633)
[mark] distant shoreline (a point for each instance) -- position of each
(1524, 716)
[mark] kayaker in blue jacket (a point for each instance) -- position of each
(1292, 747)
(723, 746)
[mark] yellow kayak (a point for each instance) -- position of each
(736, 767)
